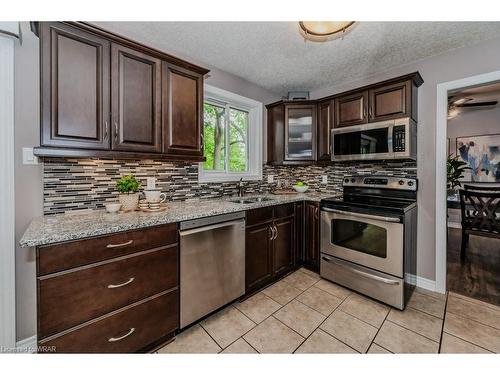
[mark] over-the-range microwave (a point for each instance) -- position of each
(393, 139)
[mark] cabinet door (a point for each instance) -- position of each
(275, 134)
(75, 88)
(258, 256)
(283, 245)
(351, 109)
(136, 100)
(182, 111)
(311, 235)
(390, 101)
(325, 125)
(300, 132)
(299, 232)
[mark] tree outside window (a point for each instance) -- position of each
(225, 138)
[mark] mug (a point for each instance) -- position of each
(155, 196)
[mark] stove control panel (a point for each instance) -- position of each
(387, 182)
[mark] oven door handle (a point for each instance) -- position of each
(361, 273)
(365, 216)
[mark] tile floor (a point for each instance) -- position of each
(303, 313)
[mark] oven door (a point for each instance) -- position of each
(368, 240)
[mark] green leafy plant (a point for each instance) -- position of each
(299, 183)
(127, 184)
(455, 169)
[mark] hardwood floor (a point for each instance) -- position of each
(479, 275)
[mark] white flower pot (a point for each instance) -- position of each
(129, 202)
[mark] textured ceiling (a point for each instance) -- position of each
(275, 56)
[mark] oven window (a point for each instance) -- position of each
(355, 235)
(371, 141)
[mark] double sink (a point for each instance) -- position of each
(251, 200)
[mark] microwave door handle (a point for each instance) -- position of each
(331, 145)
(365, 216)
(390, 131)
(365, 274)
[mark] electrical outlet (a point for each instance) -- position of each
(270, 179)
(28, 157)
(324, 179)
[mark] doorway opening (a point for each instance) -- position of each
(470, 257)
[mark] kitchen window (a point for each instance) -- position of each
(232, 137)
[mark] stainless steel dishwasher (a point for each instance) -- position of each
(212, 264)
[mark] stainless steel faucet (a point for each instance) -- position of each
(240, 188)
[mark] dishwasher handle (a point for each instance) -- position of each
(211, 227)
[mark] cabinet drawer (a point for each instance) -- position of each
(70, 298)
(63, 256)
(259, 215)
(284, 210)
(127, 330)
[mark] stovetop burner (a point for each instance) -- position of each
(369, 203)
(375, 194)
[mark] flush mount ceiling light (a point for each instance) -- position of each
(322, 31)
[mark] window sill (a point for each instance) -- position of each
(214, 178)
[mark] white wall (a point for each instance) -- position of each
(460, 63)
(28, 178)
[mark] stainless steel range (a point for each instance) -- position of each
(369, 237)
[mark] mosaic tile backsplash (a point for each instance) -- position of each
(75, 184)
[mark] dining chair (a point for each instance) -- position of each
(480, 211)
(481, 188)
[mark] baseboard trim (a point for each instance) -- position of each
(27, 345)
(421, 282)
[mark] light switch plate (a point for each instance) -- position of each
(270, 179)
(28, 157)
(324, 179)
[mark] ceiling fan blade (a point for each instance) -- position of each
(478, 104)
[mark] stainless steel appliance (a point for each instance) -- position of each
(212, 264)
(368, 237)
(393, 139)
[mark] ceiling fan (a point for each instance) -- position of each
(457, 105)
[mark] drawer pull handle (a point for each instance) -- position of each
(113, 339)
(110, 246)
(112, 286)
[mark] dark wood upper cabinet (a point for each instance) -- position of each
(275, 134)
(300, 132)
(182, 111)
(103, 95)
(390, 101)
(311, 236)
(74, 88)
(291, 132)
(325, 125)
(136, 100)
(351, 109)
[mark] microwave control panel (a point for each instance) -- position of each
(399, 138)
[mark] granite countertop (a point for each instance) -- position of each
(64, 227)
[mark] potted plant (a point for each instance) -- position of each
(455, 169)
(128, 187)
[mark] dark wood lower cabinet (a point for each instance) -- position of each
(258, 256)
(311, 236)
(124, 302)
(270, 245)
(124, 331)
(283, 245)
